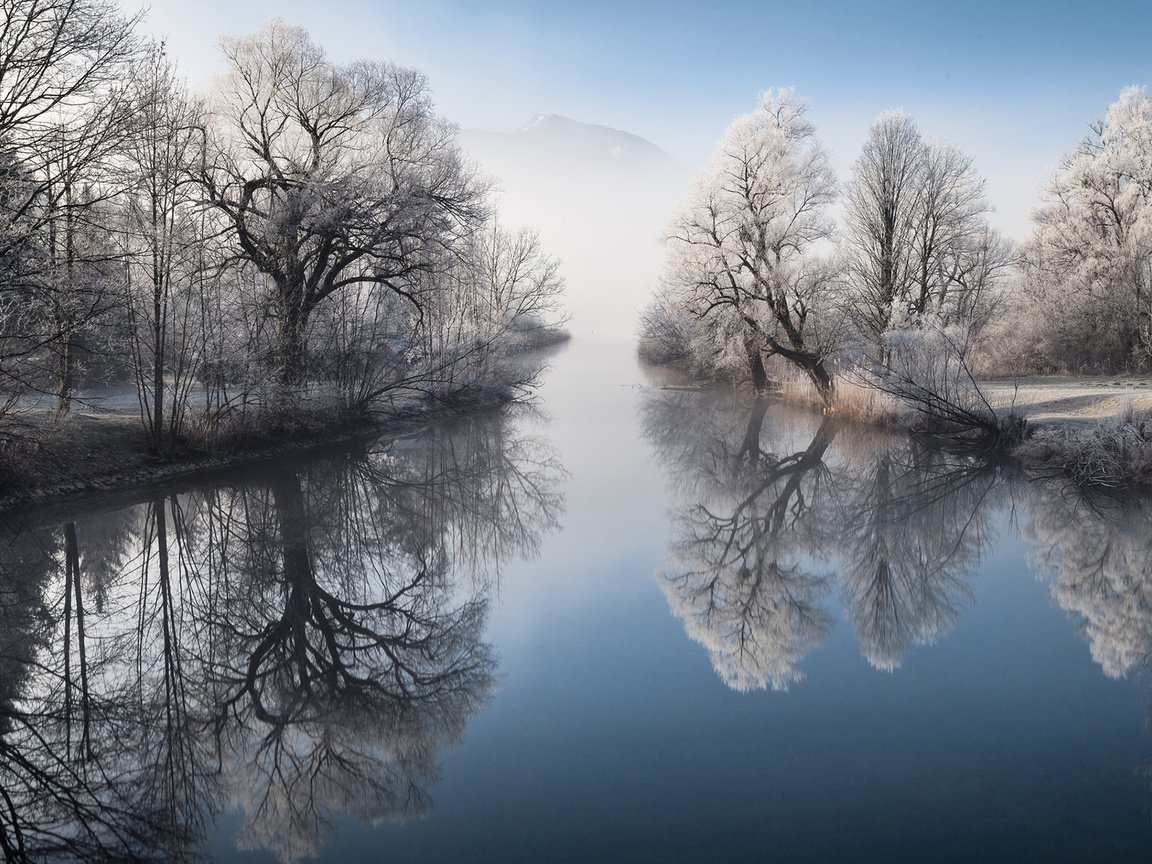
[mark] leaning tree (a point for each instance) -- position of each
(742, 253)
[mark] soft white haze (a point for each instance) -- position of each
(600, 199)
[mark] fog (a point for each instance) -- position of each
(600, 199)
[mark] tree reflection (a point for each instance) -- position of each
(348, 665)
(67, 793)
(1098, 554)
(743, 583)
(777, 510)
(912, 526)
(299, 646)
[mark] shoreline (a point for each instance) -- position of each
(132, 470)
(1093, 430)
(56, 472)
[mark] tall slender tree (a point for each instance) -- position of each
(162, 236)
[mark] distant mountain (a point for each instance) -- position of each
(551, 138)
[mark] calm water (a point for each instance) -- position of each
(631, 624)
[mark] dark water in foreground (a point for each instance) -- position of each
(653, 625)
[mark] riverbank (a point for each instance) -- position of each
(1069, 400)
(46, 459)
(1093, 430)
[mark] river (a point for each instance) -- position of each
(627, 622)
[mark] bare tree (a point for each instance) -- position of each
(163, 246)
(61, 64)
(920, 247)
(331, 177)
(881, 204)
(500, 296)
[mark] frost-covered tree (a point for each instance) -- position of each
(743, 253)
(62, 65)
(1089, 261)
(880, 202)
(920, 246)
(331, 177)
(496, 297)
(163, 246)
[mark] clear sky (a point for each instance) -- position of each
(1013, 84)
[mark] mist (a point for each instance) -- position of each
(600, 199)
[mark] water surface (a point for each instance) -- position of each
(626, 624)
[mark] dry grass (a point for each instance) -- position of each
(856, 400)
(276, 422)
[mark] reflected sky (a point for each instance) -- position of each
(633, 624)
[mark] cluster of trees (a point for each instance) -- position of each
(1086, 275)
(771, 258)
(307, 225)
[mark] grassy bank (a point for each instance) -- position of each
(45, 458)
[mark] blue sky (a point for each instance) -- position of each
(1013, 84)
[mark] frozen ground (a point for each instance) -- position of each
(1075, 400)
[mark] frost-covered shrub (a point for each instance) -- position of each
(1111, 455)
(929, 374)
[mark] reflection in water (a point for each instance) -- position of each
(743, 586)
(299, 646)
(1099, 555)
(911, 525)
(774, 515)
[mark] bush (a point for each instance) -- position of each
(1108, 455)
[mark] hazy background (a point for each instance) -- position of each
(1013, 85)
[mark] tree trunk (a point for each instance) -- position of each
(823, 381)
(64, 381)
(759, 376)
(292, 340)
(157, 365)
